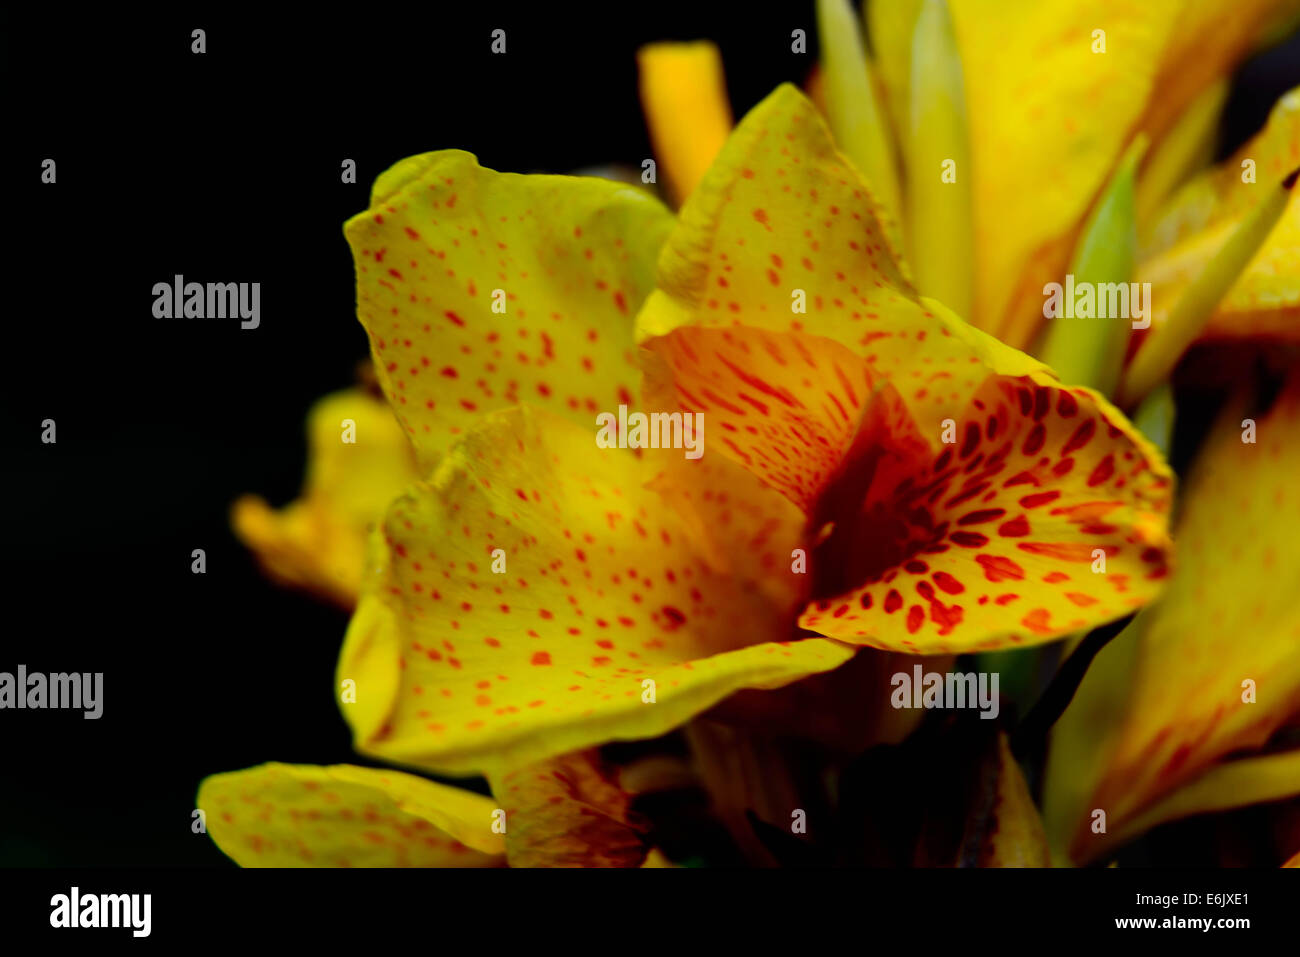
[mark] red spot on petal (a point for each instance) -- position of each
(1105, 468)
(1081, 437)
(1034, 441)
(949, 584)
(981, 516)
(1066, 551)
(1037, 621)
(1000, 568)
(675, 618)
(1040, 498)
(1018, 527)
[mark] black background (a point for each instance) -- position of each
(225, 167)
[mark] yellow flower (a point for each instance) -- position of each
(528, 597)
(538, 596)
(534, 597)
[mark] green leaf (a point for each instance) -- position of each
(855, 116)
(1090, 352)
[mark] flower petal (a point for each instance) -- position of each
(940, 241)
(1092, 353)
(742, 526)
(1155, 360)
(1227, 617)
(1036, 91)
(684, 96)
(1205, 41)
(1187, 148)
(785, 406)
(569, 812)
(657, 858)
(298, 815)
(858, 121)
(845, 711)
(848, 423)
(1227, 785)
(997, 540)
(780, 216)
(481, 290)
(1192, 228)
(890, 27)
(917, 545)
(780, 213)
(369, 675)
(598, 595)
(1004, 828)
(318, 542)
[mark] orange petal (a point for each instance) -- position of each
(920, 546)
(568, 812)
(481, 290)
(785, 406)
(1045, 518)
(740, 525)
(684, 96)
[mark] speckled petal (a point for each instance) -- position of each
(296, 815)
(482, 290)
(596, 620)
